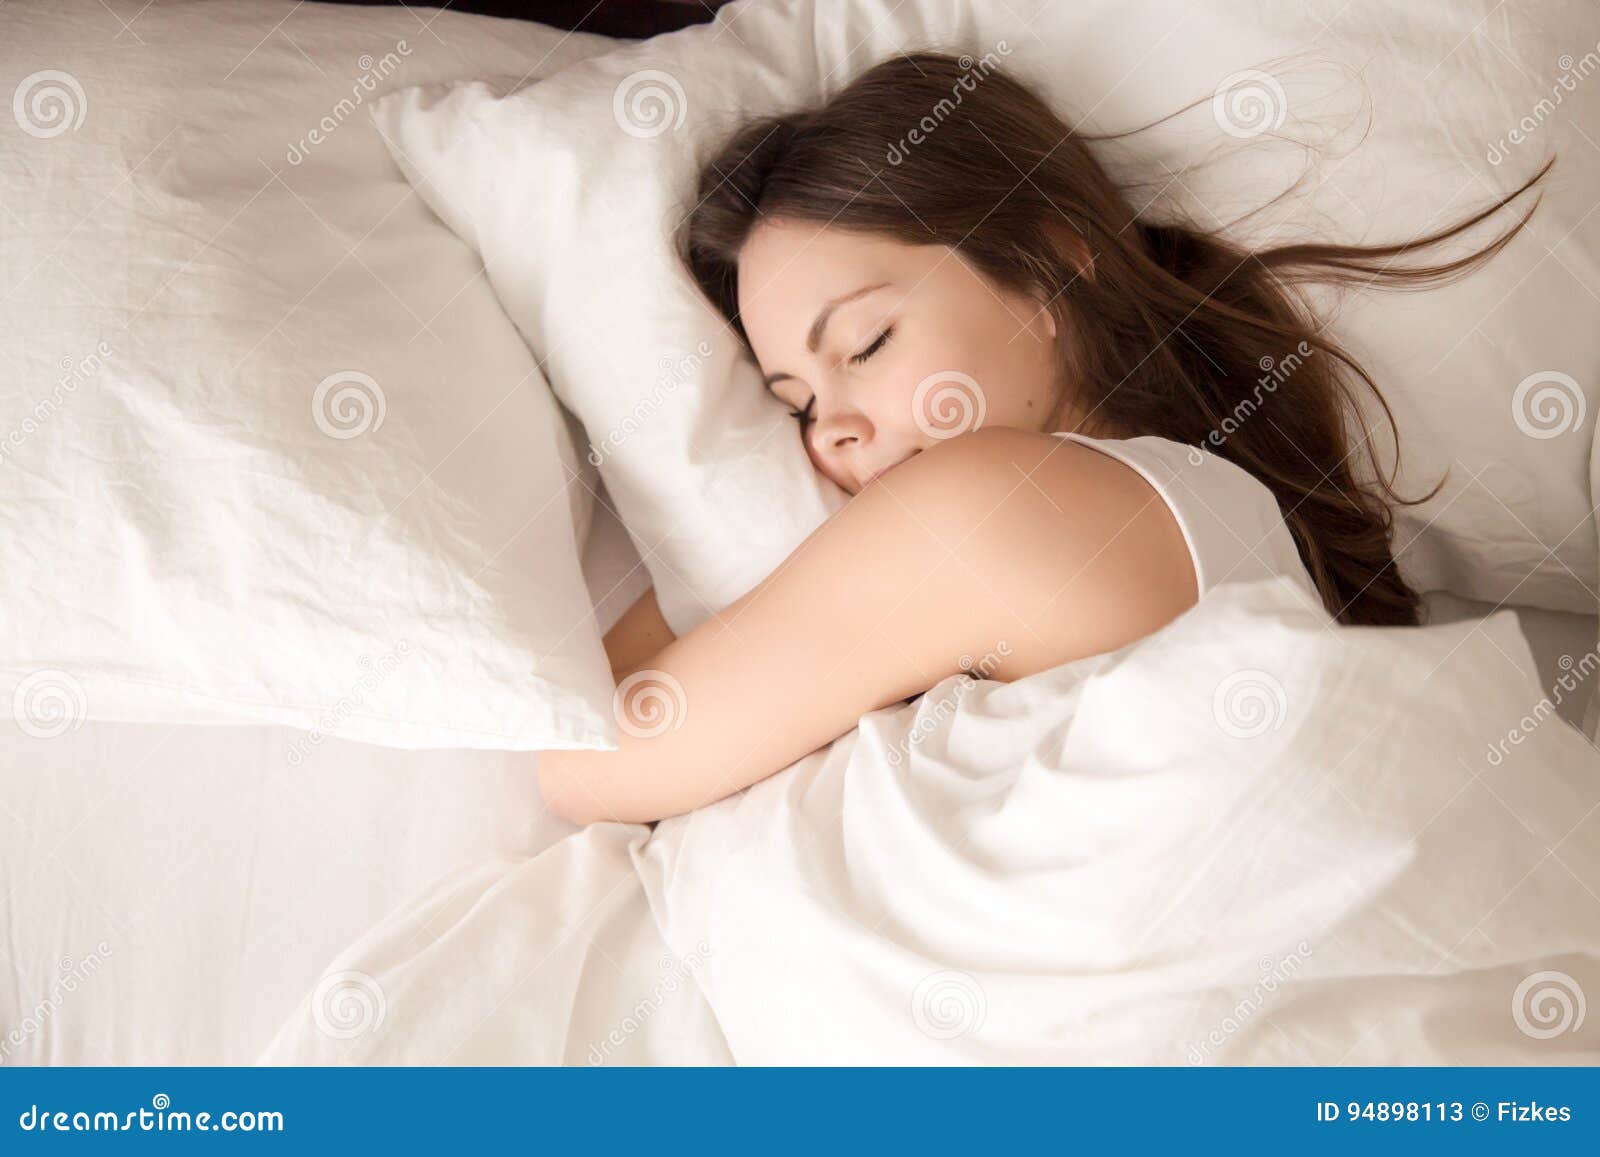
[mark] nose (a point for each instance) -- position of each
(841, 432)
(838, 438)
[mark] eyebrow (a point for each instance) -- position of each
(814, 337)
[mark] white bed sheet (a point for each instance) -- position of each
(223, 883)
(1558, 640)
(1318, 862)
(1246, 839)
(217, 883)
(168, 893)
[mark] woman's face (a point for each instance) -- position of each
(889, 348)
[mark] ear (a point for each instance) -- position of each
(1046, 315)
(1074, 250)
(1071, 245)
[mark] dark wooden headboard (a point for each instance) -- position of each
(635, 19)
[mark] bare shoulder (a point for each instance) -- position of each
(996, 460)
(1069, 549)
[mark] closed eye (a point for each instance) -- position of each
(804, 416)
(882, 340)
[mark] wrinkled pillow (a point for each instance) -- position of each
(270, 449)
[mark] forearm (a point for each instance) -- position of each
(635, 639)
(703, 716)
(658, 767)
(638, 635)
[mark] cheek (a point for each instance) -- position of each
(958, 366)
(1019, 383)
(893, 411)
(933, 400)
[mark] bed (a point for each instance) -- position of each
(239, 850)
(185, 893)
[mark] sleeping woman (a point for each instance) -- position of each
(1142, 412)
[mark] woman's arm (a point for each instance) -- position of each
(997, 536)
(637, 635)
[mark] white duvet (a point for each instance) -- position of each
(1250, 838)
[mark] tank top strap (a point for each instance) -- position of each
(1230, 520)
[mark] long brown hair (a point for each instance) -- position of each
(1170, 333)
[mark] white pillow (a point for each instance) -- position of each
(572, 189)
(1591, 716)
(271, 450)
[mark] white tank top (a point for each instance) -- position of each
(1229, 518)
